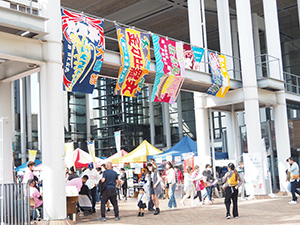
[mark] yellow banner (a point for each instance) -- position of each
(226, 80)
(91, 147)
(31, 155)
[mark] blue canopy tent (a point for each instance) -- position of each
(24, 166)
(185, 145)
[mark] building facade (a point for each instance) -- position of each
(260, 39)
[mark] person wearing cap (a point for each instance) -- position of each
(28, 172)
(92, 183)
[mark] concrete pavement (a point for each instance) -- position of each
(261, 211)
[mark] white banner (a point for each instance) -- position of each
(118, 140)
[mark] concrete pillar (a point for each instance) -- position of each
(179, 113)
(236, 53)
(202, 129)
(282, 137)
(197, 34)
(251, 102)
(28, 112)
(52, 116)
(257, 45)
(23, 120)
(152, 122)
(167, 126)
(230, 136)
(273, 38)
(87, 117)
(6, 153)
(225, 33)
(197, 26)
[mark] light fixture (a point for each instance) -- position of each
(25, 33)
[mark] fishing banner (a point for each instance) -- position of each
(170, 69)
(32, 155)
(192, 56)
(220, 79)
(69, 148)
(83, 51)
(135, 61)
(118, 140)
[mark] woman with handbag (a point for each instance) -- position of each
(155, 187)
(232, 182)
(198, 183)
(208, 179)
(188, 186)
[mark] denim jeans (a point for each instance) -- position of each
(208, 193)
(294, 190)
(172, 201)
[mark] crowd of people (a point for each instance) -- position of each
(105, 185)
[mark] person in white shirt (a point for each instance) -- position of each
(172, 185)
(92, 183)
(188, 186)
(294, 172)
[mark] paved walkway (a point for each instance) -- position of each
(262, 211)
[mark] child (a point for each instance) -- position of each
(142, 199)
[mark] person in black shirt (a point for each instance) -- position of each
(73, 174)
(109, 179)
(85, 189)
(124, 186)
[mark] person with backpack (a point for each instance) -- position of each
(232, 182)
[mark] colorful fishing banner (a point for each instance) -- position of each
(220, 79)
(83, 51)
(192, 56)
(135, 61)
(170, 69)
(31, 155)
(91, 148)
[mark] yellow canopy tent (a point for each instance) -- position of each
(139, 154)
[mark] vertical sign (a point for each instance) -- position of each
(83, 51)
(69, 148)
(31, 155)
(118, 141)
(91, 147)
(170, 69)
(135, 61)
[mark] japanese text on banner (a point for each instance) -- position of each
(169, 69)
(83, 51)
(135, 61)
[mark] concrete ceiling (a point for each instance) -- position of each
(170, 17)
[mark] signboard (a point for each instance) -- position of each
(91, 147)
(169, 158)
(135, 61)
(188, 160)
(169, 69)
(118, 141)
(83, 51)
(31, 155)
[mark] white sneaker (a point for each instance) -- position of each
(293, 202)
(228, 217)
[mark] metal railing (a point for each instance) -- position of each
(263, 63)
(292, 82)
(15, 204)
(27, 6)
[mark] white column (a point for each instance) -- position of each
(273, 38)
(87, 117)
(23, 121)
(251, 103)
(236, 53)
(197, 35)
(167, 127)
(28, 111)
(202, 129)
(52, 116)
(282, 137)
(151, 112)
(196, 25)
(230, 136)
(257, 44)
(225, 33)
(6, 146)
(179, 113)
